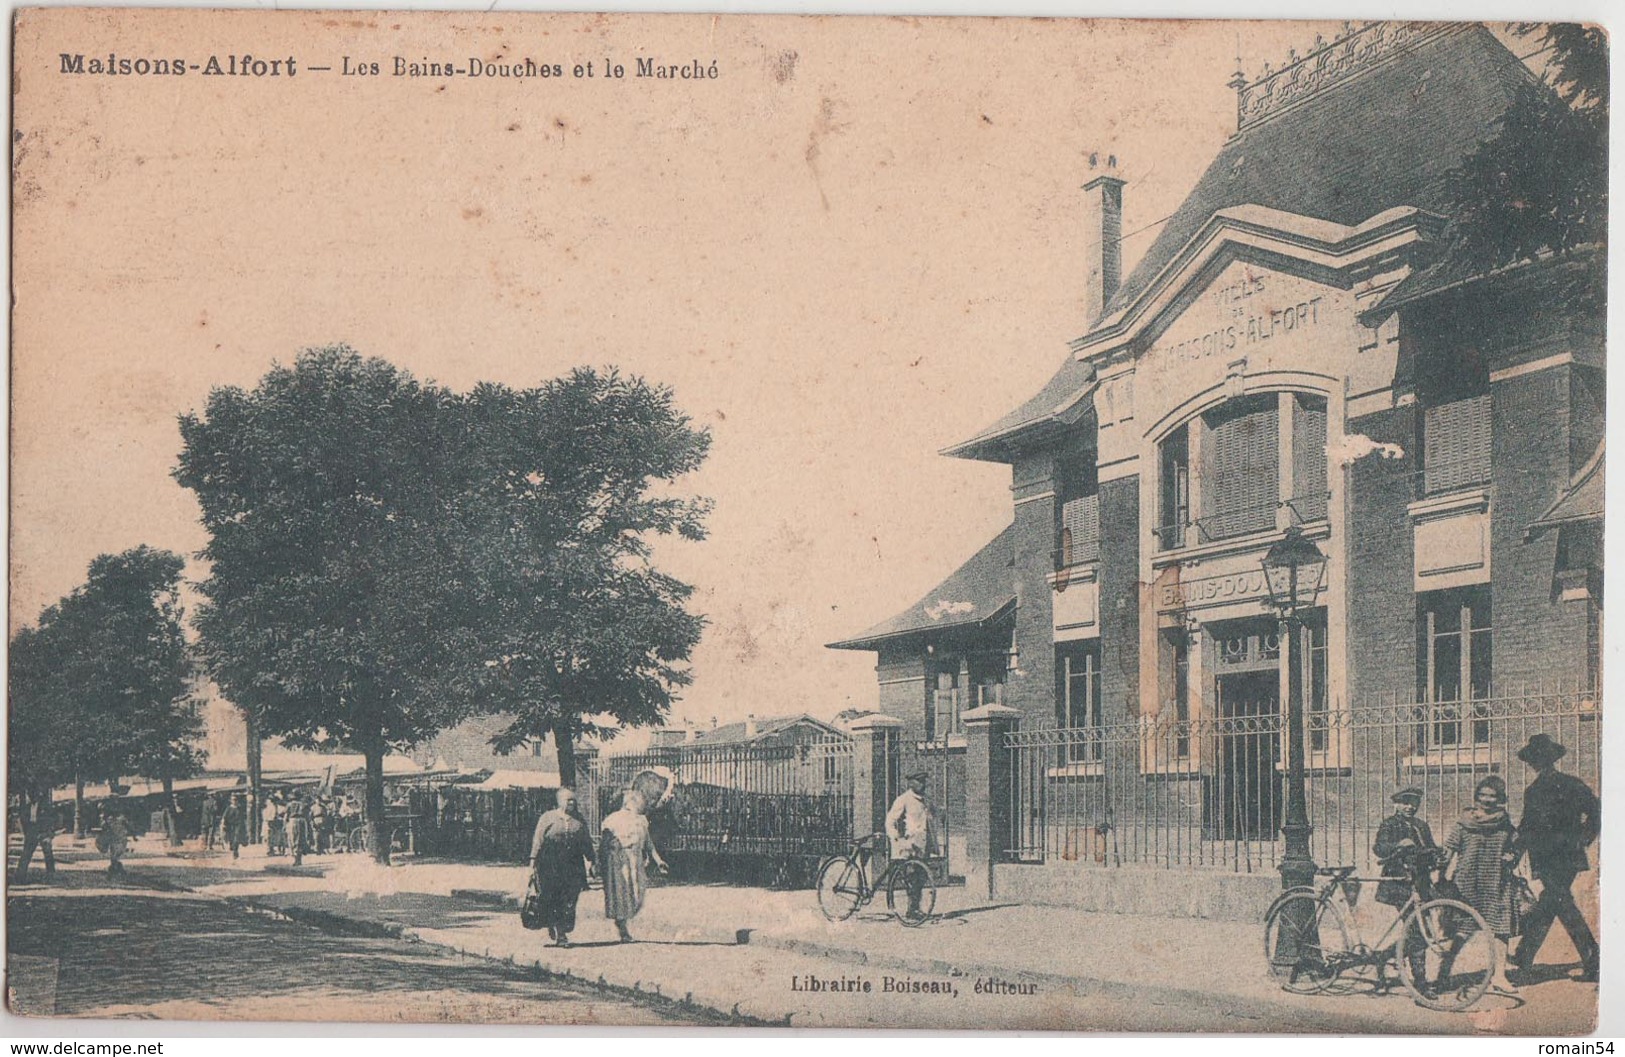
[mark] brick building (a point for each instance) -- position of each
(1298, 347)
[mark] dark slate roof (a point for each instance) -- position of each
(1582, 500)
(1058, 396)
(1385, 138)
(976, 593)
(1456, 270)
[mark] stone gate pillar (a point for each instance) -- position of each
(874, 755)
(989, 798)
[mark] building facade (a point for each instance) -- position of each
(1298, 349)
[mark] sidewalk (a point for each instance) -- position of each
(771, 954)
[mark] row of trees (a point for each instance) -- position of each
(388, 557)
(102, 685)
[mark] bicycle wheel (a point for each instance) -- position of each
(1449, 945)
(1306, 942)
(357, 839)
(840, 888)
(906, 877)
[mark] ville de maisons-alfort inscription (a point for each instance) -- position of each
(933, 523)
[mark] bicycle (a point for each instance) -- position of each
(356, 840)
(1311, 939)
(843, 884)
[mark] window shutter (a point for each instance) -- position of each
(1309, 459)
(1245, 487)
(1081, 518)
(1456, 445)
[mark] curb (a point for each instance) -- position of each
(1244, 1008)
(1243, 1011)
(339, 925)
(358, 928)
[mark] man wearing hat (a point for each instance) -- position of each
(1399, 839)
(908, 825)
(1561, 818)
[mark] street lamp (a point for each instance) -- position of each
(1294, 568)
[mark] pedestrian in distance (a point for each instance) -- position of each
(1483, 850)
(297, 824)
(276, 833)
(1401, 841)
(232, 823)
(319, 833)
(208, 820)
(561, 855)
(39, 824)
(623, 848)
(909, 827)
(114, 840)
(1561, 819)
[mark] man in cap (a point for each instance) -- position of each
(908, 825)
(1400, 838)
(1561, 818)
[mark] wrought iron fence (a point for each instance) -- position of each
(465, 822)
(1211, 791)
(741, 812)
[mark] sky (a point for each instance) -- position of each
(860, 243)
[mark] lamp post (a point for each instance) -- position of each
(1294, 568)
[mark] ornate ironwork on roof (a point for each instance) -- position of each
(1361, 47)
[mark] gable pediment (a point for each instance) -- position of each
(1319, 252)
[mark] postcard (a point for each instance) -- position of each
(844, 522)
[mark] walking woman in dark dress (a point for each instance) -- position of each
(560, 853)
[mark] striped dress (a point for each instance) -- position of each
(622, 847)
(1478, 840)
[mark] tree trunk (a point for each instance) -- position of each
(377, 824)
(172, 820)
(81, 824)
(564, 742)
(255, 803)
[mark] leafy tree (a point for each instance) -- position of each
(100, 687)
(389, 558)
(1541, 183)
(332, 494)
(579, 633)
(40, 748)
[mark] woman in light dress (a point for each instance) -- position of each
(623, 847)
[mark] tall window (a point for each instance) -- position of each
(946, 705)
(1308, 458)
(1174, 685)
(1174, 500)
(1453, 390)
(1077, 667)
(1077, 538)
(1312, 640)
(1453, 663)
(1241, 485)
(1456, 445)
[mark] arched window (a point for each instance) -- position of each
(1220, 474)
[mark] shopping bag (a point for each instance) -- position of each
(530, 909)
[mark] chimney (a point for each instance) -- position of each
(1102, 238)
(750, 725)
